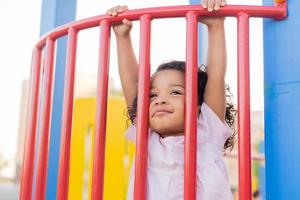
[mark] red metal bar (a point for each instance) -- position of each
(100, 133)
(191, 107)
(279, 12)
(65, 143)
(243, 13)
(244, 147)
(45, 122)
(282, 4)
(141, 158)
(31, 127)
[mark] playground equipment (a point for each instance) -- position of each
(191, 13)
(119, 152)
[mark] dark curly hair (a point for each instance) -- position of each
(230, 115)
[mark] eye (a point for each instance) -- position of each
(176, 92)
(152, 95)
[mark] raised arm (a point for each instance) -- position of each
(127, 62)
(215, 91)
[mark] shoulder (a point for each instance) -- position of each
(217, 130)
(207, 114)
(130, 133)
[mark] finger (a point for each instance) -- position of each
(204, 3)
(109, 11)
(127, 22)
(115, 10)
(210, 5)
(123, 8)
(223, 2)
(120, 9)
(217, 4)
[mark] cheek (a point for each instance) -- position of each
(180, 113)
(150, 110)
(180, 106)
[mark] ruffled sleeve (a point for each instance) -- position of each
(130, 133)
(217, 130)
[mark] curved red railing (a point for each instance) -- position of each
(191, 13)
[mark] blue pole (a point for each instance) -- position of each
(56, 13)
(282, 110)
(202, 38)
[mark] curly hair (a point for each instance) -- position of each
(230, 115)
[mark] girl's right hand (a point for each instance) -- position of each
(124, 28)
(212, 5)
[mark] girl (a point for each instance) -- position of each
(166, 116)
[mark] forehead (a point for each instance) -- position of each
(167, 77)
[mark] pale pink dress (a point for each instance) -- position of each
(166, 162)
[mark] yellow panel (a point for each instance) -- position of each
(118, 150)
(116, 173)
(83, 118)
(254, 182)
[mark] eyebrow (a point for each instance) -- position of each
(177, 85)
(173, 85)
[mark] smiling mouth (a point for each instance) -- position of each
(161, 113)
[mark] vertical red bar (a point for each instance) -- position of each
(31, 127)
(45, 122)
(191, 104)
(64, 158)
(100, 133)
(140, 189)
(244, 139)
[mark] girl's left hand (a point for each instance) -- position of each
(213, 4)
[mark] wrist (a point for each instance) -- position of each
(216, 26)
(123, 36)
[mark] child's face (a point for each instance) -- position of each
(166, 112)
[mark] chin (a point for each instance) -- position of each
(159, 129)
(168, 130)
(166, 125)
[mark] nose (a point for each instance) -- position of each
(160, 101)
